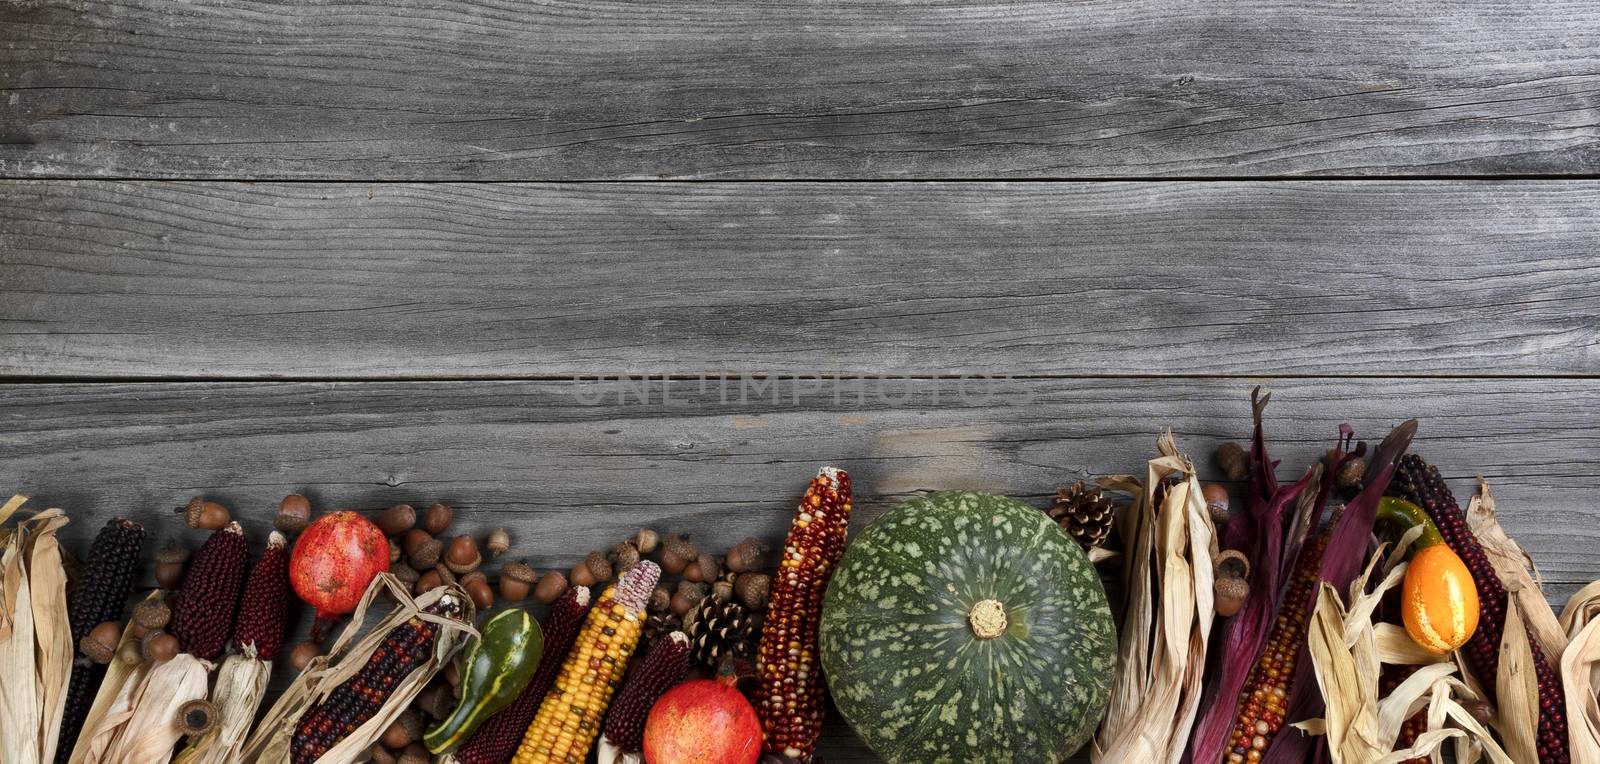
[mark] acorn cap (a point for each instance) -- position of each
(680, 545)
(746, 555)
(520, 571)
(498, 543)
(172, 554)
(598, 566)
(152, 614)
(196, 717)
(624, 555)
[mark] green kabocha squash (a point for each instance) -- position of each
(498, 665)
(968, 628)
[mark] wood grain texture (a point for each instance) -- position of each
(155, 279)
(505, 89)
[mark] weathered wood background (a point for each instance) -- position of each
(406, 251)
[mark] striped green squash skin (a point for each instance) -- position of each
(497, 666)
(901, 648)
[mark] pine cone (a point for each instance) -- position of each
(1084, 513)
(719, 628)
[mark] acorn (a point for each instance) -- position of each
(159, 646)
(551, 586)
(302, 654)
(660, 600)
(677, 551)
(722, 590)
(452, 673)
(1351, 474)
(437, 519)
(407, 574)
(436, 700)
(205, 515)
(196, 717)
(1232, 585)
(646, 541)
(294, 514)
(152, 614)
(395, 552)
(446, 576)
(414, 754)
(381, 755)
(516, 580)
(498, 543)
(1216, 496)
(397, 519)
(1233, 460)
(407, 727)
(100, 644)
(746, 556)
(131, 653)
(705, 569)
(427, 581)
(477, 586)
(170, 563)
(753, 590)
(689, 595)
(593, 570)
(463, 555)
(624, 555)
(422, 550)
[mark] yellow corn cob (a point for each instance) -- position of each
(569, 717)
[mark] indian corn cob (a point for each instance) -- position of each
(789, 699)
(569, 718)
(102, 593)
(203, 615)
(496, 739)
(1264, 702)
(359, 698)
(263, 612)
(663, 667)
(1420, 483)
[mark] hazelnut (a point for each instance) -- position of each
(422, 550)
(152, 614)
(1216, 496)
(380, 754)
(197, 717)
(646, 540)
(753, 590)
(660, 600)
(677, 551)
(100, 644)
(624, 555)
(463, 555)
(302, 654)
(746, 556)
(427, 582)
(397, 519)
(205, 515)
(516, 580)
(294, 514)
(498, 543)
(688, 596)
(160, 646)
(550, 587)
(170, 563)
(1233, 460)
(437, 519)
(594, 570)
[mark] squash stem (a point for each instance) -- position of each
(987, 618)
(1404, 515)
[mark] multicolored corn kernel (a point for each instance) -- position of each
(202, 617)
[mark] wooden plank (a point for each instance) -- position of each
(141, 279)
(490, 89)
(571, 466)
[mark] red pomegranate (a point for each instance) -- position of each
(704, 721)
(334, 560)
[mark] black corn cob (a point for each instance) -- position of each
(663, 667)
(360, 697)
(206, 601)
(496, 740)
(101, 595)
(263, 610)
(1420, 483)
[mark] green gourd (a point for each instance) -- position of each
(498, 665)
(967, 628)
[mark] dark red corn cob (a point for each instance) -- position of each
(206, 601)
(496, 740)
(101, 595)
(789, 699)
(1420, 483)
(1393, 674)
(359, 698)
(263, 612)
(663, 667)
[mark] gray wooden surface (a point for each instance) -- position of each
(426, 89)
(1119, 215)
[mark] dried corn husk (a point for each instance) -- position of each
(144, 722)
(120, 681)
(1580, 673)
(35, 636)
(1347, 653)
(241, 684)
(1517, 571)
(1168, 558)
(270, 742)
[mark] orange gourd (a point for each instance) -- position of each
(1439, 601)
